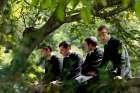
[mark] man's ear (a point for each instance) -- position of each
(89, 45)
(108, 32)
(69, 48)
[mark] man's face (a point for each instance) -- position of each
(46, 52)
(103, 35)
(64, 51)
(87, 47)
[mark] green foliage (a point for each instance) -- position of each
(60, 10)
(16, 15)
(85, 14)
(74, 3)
(137, 7)
(126, 2)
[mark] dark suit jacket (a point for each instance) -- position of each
(113, 52)
(71, 66)
(52, 69)
(92, 61)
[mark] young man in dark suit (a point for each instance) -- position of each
(51, 63)
(90, 73)
(71, 61)
(93, 58)
(71, 68)
(114, 51)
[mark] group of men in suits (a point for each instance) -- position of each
(75, 69)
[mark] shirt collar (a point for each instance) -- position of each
(108, 41)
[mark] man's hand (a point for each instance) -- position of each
(118, 77)
(56, 83)
(92, 73)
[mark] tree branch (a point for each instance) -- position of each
(72, 18)
(98, 7)
(106, 15)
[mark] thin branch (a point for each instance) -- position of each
(72, 18)
(104, 15)
(27, 2)
(98, 7)
(109, 3)
(115, 11)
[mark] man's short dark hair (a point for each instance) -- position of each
(65, 44)
(100, 28)
(45, 46)
(48, 47)
(91, 40)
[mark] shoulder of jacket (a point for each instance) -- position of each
(116, 40)
(55, 56)
(73, 54)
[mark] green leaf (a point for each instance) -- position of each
(87, 3)
(47, 4)
(137, 7)
(126, 2)
(86, 14)
(74, 3)
(60, 12)
(34, 2)
(103, 2)
(32, 76)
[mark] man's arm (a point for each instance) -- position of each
(85, 66)
(105, 58)
(76, 66)
(118, 59)
(98, 59)
(92, 61)
(57, 67)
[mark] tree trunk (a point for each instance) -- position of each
(19, 63)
